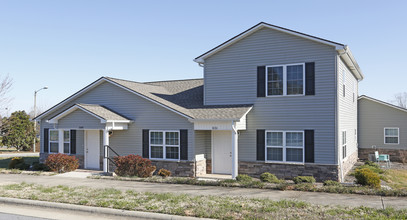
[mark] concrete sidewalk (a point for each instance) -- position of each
(350, 200)
(7, 155)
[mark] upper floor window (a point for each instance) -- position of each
(165, 145)
(391, 135)
(285, 80)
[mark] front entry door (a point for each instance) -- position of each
(222, 152)
(92, 150)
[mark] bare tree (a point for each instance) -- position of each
(401, 99)
(5, 85)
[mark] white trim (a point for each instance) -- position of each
(202, 57)
(69, 142)
(398, 135)
(284, 146)
(381, 102)
(344, 144)
(49, 141)
(164, 145)
(285, 79)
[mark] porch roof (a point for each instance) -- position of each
(98, 111)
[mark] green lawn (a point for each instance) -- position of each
(396, 179)
(28, 160)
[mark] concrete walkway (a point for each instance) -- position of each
(351, 200)
(7, 155)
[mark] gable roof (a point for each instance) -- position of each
(184, 97)
(382, 102)
(342, 49)
(98, 111)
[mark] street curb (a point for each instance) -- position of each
(90, 209)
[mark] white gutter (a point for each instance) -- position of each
(350, 61)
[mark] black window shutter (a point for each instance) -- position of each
(261, 81)
(146, 143)
(261, 145)
(73, 141)
(310, 78)
(184, 144)
(309, 146)
(46, 130)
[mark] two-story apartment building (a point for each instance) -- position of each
(271, 100)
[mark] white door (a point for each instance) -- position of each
(92, 150)
(222, 152)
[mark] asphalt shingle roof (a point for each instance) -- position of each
(103, 112)
(184, 96)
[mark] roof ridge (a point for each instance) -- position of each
(131, 81)
(172, 80)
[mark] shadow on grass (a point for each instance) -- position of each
(28, 160)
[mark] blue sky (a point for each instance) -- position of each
(66, 45)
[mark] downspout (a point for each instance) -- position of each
(235, 154)
(337, 154)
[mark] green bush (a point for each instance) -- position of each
(371, 166)
(243, 178)
(332, 183)
(268, 177)
(17, 163)
(367, 177)
(304, 179)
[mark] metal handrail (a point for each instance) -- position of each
(106, 155)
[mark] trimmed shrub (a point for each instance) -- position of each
(16, 161)
(304, 179)
(332, 183)
(61, 163)
(164, 173)
(133, 165)
(243, 178)
(268, 177)
(367, 177)
(371, 166)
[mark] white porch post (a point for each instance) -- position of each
(60, 141)
(105, 142)
(235, 155)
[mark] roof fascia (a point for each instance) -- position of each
(55, 119)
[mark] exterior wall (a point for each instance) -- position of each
(396, 155)
(373, 118)
(79, 118)
(230, 77)
(347, 116)
(203, 143)
(289, 171)
(145, 114)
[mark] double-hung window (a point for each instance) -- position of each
(391, 135)
(285, 80)
(343, 144)
(53, 141)
(285, 146)
(164, 145)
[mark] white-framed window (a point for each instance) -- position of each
(53, 141)
(285, 80)
(343, 144)
(164, 145)
(67, 142)
(285, 146)
(391, 135)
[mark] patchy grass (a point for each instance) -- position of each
(396, 179)
(198, 206)
(28, 160)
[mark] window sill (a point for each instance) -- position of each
(275, 96)
(285, 163)
(168, 160)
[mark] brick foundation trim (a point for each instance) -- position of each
(289, 171)
(396, 155)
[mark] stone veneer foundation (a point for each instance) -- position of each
(396, 155)
(181, 168)
(289, 171)
(348, 163)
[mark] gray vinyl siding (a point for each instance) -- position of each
(347, 109)
(203, 143)
(79, 118)
(79, 138)
(231, 78)
(144, 113)
(373, 118)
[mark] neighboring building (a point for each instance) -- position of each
(271, 100)
(382, 127)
